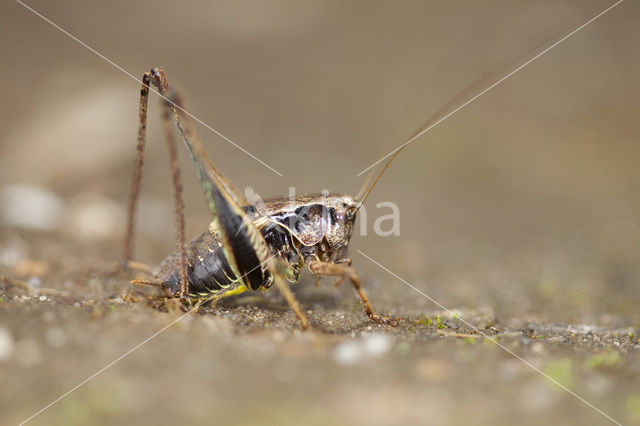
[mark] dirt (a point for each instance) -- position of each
(519, 214)
(246, 360)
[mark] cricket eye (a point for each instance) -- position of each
(339, 215)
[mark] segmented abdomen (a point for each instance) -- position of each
(207, 268)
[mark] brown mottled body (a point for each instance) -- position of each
(247, 247)
(313, 231)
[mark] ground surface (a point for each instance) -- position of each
(520, 213)
(246, 360)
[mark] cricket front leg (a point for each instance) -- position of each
(277, 269)
(343, 270)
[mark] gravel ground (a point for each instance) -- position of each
(246, 360)
(519, 214)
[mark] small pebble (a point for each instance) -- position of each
(31, 207)
(93, 217)
(10, 256)
(6, 344)
(347, 352)
(377, 345)
(351, 351)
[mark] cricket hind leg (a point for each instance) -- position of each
(344, 270)
(152, 77)
(223, 196)
(136, 177)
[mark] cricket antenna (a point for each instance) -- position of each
(422, 130)
(388, 163)
(440, 117)
(433, 121)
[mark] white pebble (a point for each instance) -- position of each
(6, 344)
(30, 206)
(368, 347)
(347, 352)
(377, 345)
(93, 217)
(9, 256)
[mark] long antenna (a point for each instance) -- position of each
(388, 163)
(434, 122)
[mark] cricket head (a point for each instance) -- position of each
(342, 212)
(325, 221)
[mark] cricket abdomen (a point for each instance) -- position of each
(208, 270)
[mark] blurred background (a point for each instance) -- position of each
(526, 202)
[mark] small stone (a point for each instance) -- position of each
(368, 347)
(377, 345)
(31, 207)
(347, 352)
(6, 344)
(10, 256)
(93, 217)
